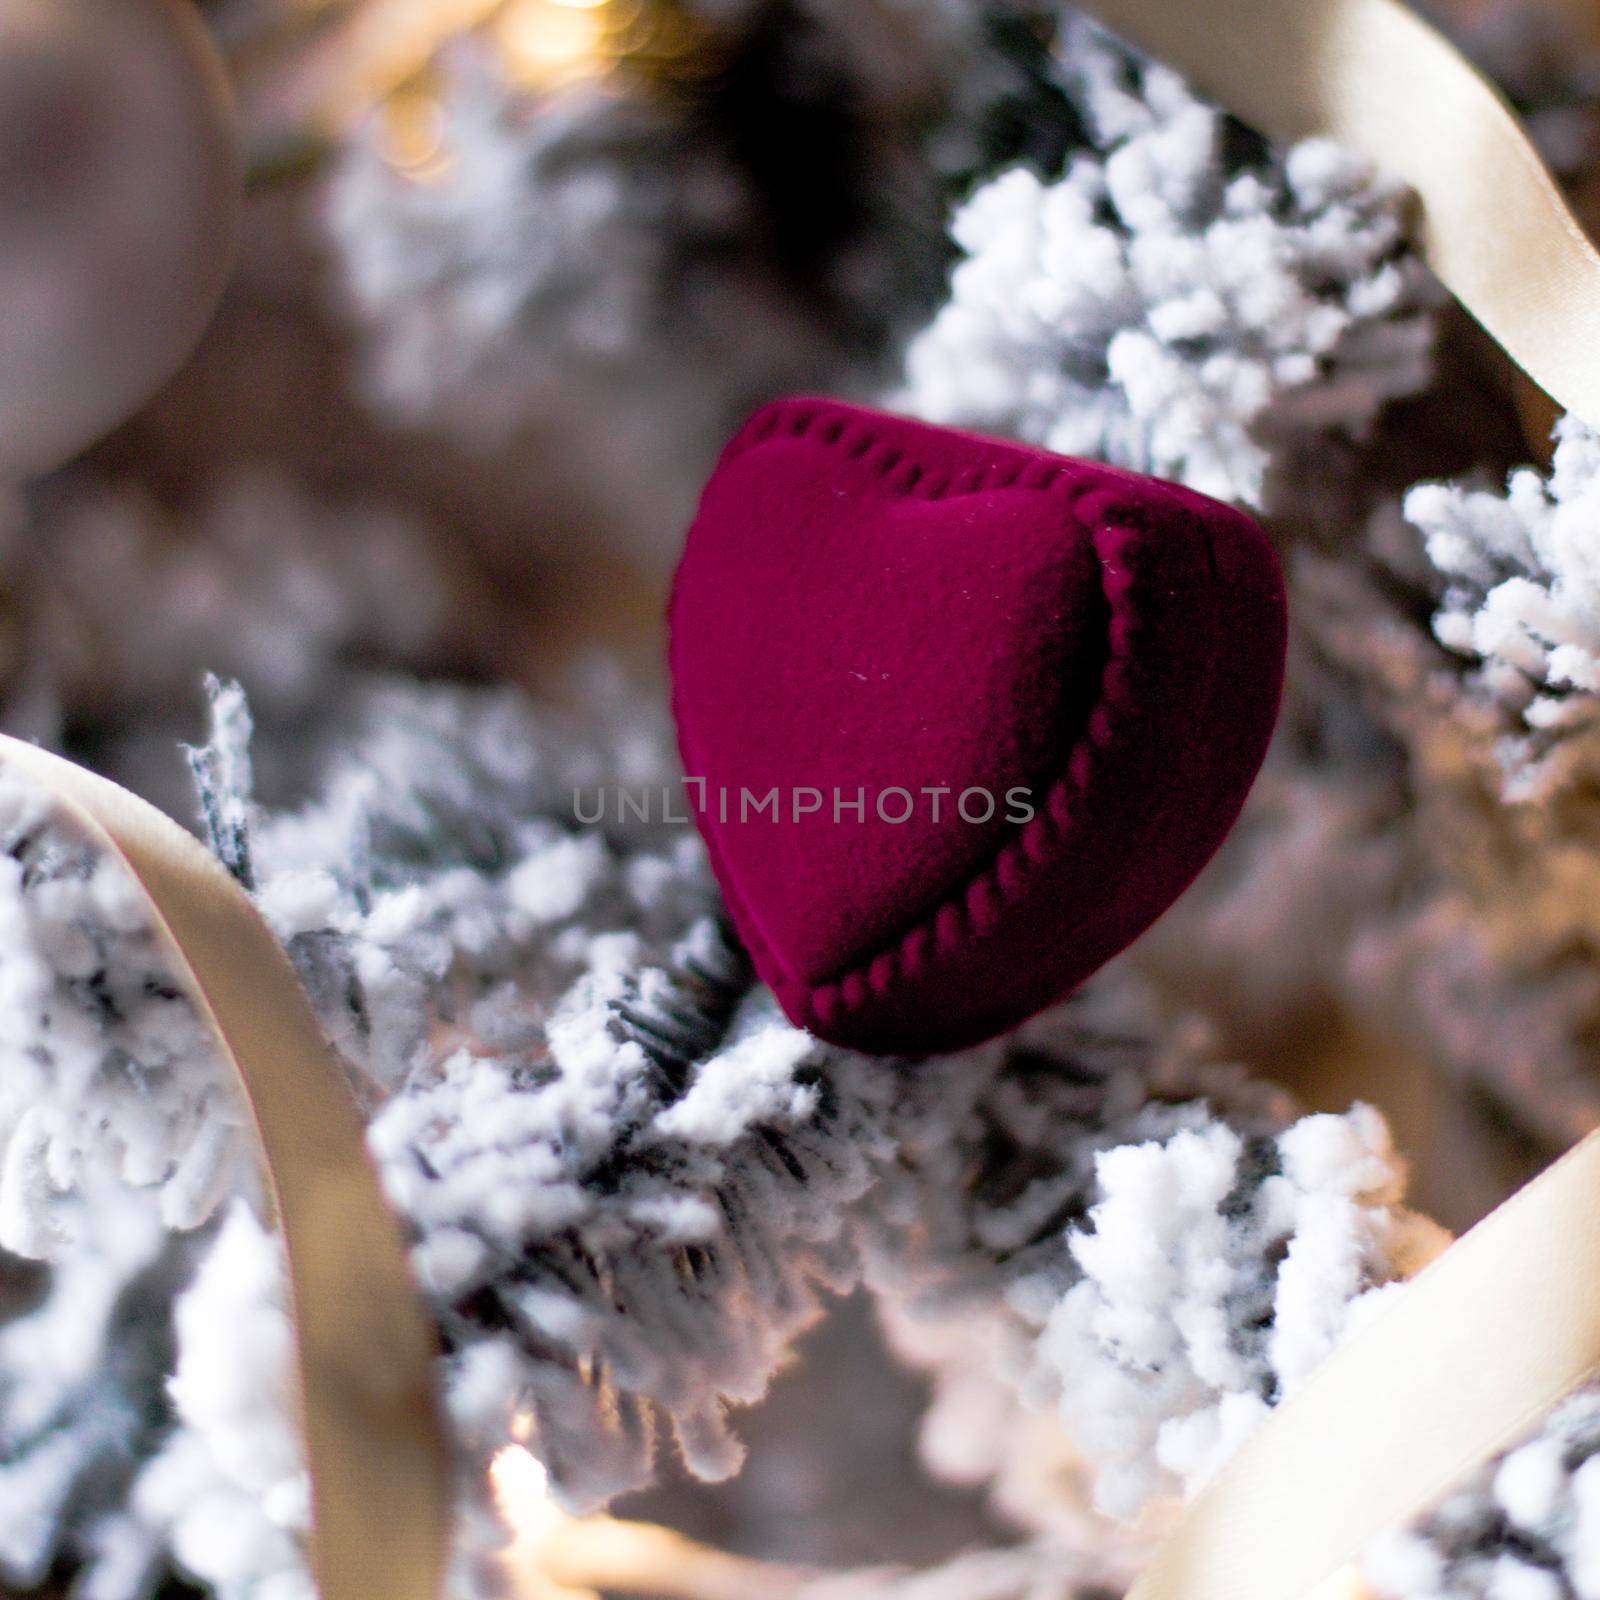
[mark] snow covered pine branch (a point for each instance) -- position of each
(628, 1179)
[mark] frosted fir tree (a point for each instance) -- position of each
(1449, 828)
(1178, 299)
(599, 238)
(1522, 602)
(252, 574)
(83, 1367)
(629, 1183)
(561, 243)
(628, 1178)
(1525, 1525)
(585, 245)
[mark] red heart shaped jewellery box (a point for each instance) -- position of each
(960, 718)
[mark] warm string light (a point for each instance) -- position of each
(413, 135)
(553, 1556)
(548, 44)
(381, 58)
(388, 46)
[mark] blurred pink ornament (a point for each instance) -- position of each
(119, 197)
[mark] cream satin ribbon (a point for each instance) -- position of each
(375, 1443)
(1372, 75)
